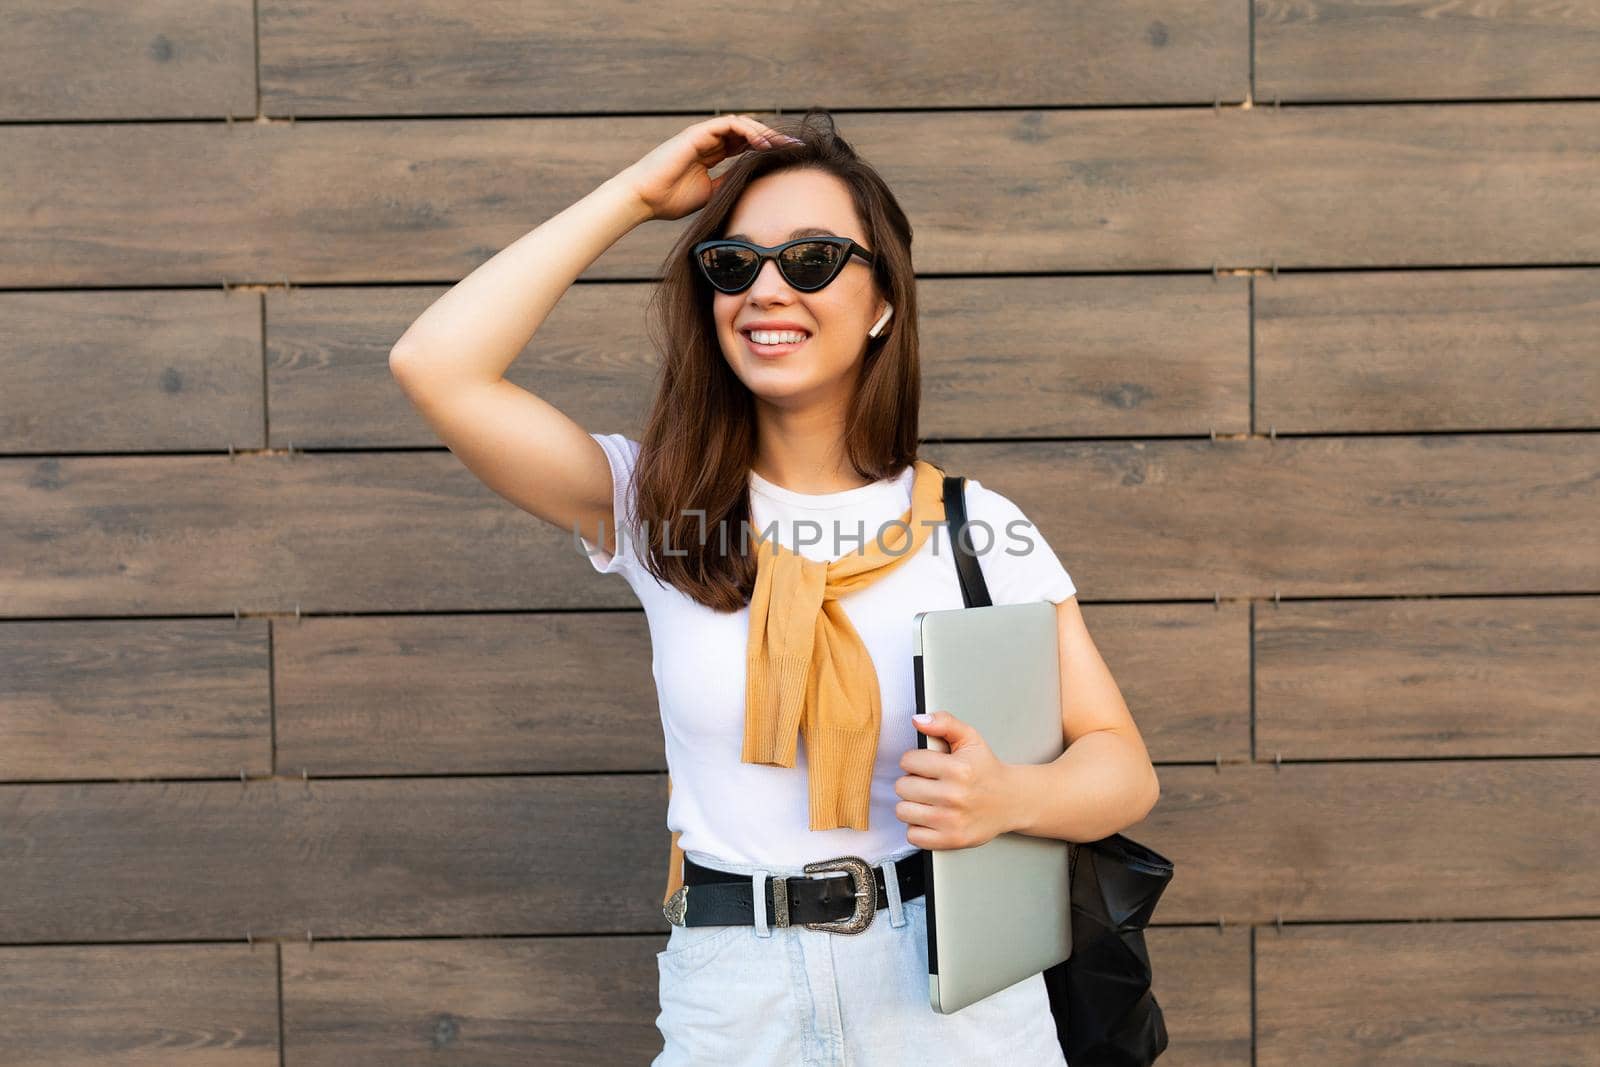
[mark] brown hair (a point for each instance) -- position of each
(698, 441)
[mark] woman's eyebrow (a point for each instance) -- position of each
(804, 231)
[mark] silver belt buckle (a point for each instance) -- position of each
(866, 894)
(862, 882)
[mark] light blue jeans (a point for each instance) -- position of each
(761, 995)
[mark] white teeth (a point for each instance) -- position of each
(768, 337)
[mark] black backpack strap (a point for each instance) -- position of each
(974, 591)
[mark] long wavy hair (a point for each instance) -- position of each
(699, 438)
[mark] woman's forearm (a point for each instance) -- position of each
(1099, 786)
(478, 327)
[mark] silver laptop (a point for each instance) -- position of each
(999, 912)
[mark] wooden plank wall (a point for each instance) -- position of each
(1282, 320)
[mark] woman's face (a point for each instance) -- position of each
(835, 318)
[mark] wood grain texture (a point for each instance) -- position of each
(443, 58)
(565, 692)
(544, 1000)
(1021, 356)
(1032, 191)
(1144, 520)
(107, 59)
(329, 384)
(134, 698)
(1201, 976)
(1385, 351)
(1304, 397)
(1414, 50)
(140, 1005)
(1336, 516)
(1387, 679)
(1432, 993)
(446, 856)
(1377, 840)
(363, 858)
(137, 371)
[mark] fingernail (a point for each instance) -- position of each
(923, 718)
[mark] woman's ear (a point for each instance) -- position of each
(877, 327)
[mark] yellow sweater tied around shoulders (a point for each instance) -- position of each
(807, 670)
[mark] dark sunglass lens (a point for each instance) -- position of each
(728, 267)
(811, 263)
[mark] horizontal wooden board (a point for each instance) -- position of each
(1414, 50)
(1201, 977)
(567, 692)
(1029, 192)
(546, 854)
(1062, 356)
(544, 1000)
(1184, 670)
(563, 1000)
(150, 371)
(379, 857)
(1311, 517)
(573, 692)
(108, 59)
(1436, 993)
(117, 698)
(140, 1005)
(999, 357)
(1372, 840)
(562, 692)
(442, 58)
(265, 533)
(1404, 351)
(1507, 676)
(1307, 516)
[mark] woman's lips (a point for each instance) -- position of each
(770, 351)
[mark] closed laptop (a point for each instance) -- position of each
(998, 912)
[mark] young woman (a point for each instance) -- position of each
(781, 531)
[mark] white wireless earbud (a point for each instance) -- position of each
(877, 327)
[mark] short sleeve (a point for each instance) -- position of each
(623, 455)
(1019, 566)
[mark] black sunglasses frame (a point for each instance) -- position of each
(774, 253)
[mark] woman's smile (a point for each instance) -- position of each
(772, 351)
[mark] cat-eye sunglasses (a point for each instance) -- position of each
(807, 263)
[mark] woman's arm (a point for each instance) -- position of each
(451, 361)
(1104, 782)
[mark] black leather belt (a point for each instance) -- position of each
(709, 897)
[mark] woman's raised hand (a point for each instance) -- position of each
(674, 178)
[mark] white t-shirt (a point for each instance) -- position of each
(748, 813)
